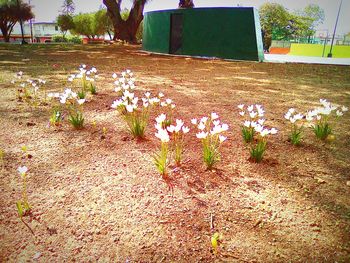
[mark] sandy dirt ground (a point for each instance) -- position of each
(102, 200)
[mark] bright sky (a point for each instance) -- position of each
(46, 11)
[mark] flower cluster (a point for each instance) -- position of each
(173, 134)
(253, 119)
(320, 117)
(254, 132)
(210, 131)
(125, 82)
(297, 125)
(70, 102)
(87, 77)
(135, 111)
(29, 89)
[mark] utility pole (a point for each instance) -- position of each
(31, 28)
(21, 23)
(335, 29)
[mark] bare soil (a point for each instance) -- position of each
(101, 200)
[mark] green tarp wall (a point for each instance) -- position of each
(232, 33)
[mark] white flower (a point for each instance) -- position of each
(63, 99)
(250, 108)
(83, 66)
(130, 108)
(214, 116)
(201, 126)
(324, 102)
(204, 119)
(185, 129)
(241, 113)
(292, 119)
(179, 122)
(22, 170)
(147, 94)
(162, 135)
(93, 70)
(216, 122)
(325, 111)
(287, 115)
(241, 106)
(13, 81)
(81, 101)
(298, 116)
(154, 100)
(291, 110)
(264, 132)
(253, 114)
(171, 128)
(258, 128)
(261, 121)
(344, 109)
(194, 121)
(339, 113)
(309, 117)
(224, 127)
(161, 118)
(114, 76)
(222, 138)
(318, 117)
(172, 106)
(22, 85)
(202, 135)
(246, 123)
(117, 89)
(160, 95)
(260, 112)
(273, 131)
(216, 130)
(116, 103)
(168, 101)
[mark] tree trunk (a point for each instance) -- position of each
(6, 30)
(109, 34)
(125, 30)
(5, 35)
(186, 4)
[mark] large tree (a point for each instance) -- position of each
(65, 22)
(89, 24)
(186, 4)
(311, 16)
(125, 29)
(103, 22)
(274, 19)
(11, 12)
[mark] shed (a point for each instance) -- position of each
(223, 32)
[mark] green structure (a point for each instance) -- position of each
(231, 33)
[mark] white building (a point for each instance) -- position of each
(42, 32)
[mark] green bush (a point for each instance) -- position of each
(74, 39)
(59, 39)
(67, 39)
